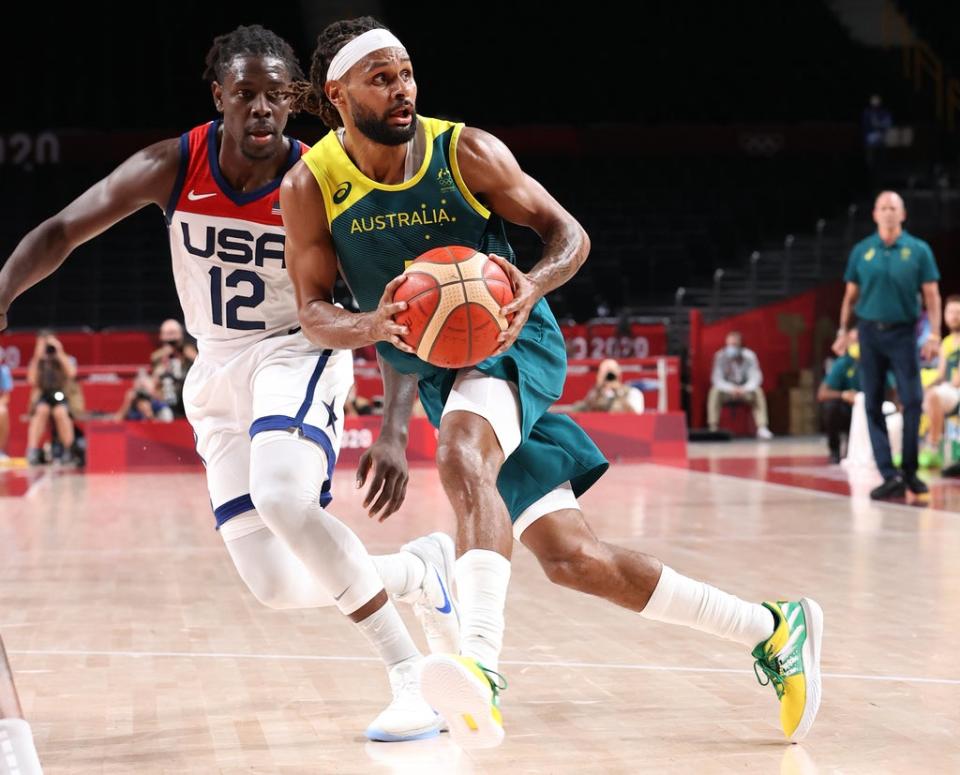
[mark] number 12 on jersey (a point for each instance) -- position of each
(234, 279)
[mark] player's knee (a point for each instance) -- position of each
(574, 565)
(42, 410)
(271, 592)
(278, 496)
(463, 462)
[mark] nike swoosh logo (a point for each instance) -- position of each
(194, 197)
(447, 608)
(337, 597)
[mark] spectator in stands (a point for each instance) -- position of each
(837, 393)
(736, 378)
(51, 374)
(609, 394)
(356, 405)
(942, 397)
(143, 401)
(170, 364)
(6, 388)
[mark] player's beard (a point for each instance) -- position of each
(377, 129)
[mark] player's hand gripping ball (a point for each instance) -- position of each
(454, 295)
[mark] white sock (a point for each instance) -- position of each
(18, 754)
(680, 600)
(389, 636)
(402, 573)
(482, 579)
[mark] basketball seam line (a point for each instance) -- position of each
(466, 304)
(433, 313)
(452, 282)
(440, 288)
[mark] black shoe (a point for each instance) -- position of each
(894, 487)
(915, 484)
(951, 471)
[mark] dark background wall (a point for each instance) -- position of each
(682, 139)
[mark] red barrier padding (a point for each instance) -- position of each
(787, 336)
(142, 446)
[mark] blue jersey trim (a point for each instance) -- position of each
(238, 197)
(181, 175)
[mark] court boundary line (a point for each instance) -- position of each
(513, 662)
(809, 490)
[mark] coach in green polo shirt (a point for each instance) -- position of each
(885, 274)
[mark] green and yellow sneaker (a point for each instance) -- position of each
(467, 695)
(790, 660)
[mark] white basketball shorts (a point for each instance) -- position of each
(280, 383)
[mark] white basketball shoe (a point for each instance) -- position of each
(433, 603)
(408, 716)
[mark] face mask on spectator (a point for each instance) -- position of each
(732, 350)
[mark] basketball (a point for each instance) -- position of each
(454, 295)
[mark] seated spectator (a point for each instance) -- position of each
(736, 378)
(837, 394)
(6, 388)
(170, 363)
(356, 405)
(942, 397)
(609, 394)
(143, 402)
(52, 374)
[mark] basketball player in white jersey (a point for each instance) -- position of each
(266, 405)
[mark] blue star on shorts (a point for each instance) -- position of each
(331, 415)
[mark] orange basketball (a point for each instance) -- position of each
(454, 295)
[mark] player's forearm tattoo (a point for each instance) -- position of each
(564, 251)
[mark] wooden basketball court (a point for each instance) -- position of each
(137, 649)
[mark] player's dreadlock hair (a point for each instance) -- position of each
(309, 95)
(249, 41)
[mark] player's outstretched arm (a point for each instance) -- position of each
(312, 266)
(388, 454)
(145, 178)
(492, 173)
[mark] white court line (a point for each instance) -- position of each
(44, 477)
(520, 663)
(810, 491)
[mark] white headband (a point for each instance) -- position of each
(358, 48)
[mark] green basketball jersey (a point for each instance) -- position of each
(378, 229)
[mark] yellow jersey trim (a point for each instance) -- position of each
(467, 193)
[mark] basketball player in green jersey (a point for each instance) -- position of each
(383, 186)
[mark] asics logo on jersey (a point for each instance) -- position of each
(342, 192)
(195, 197)
(236, 246)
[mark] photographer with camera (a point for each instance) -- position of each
(609, 394)
(170, 364)
(143, 402)
(51, 374)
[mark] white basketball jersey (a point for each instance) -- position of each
(228, 251)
